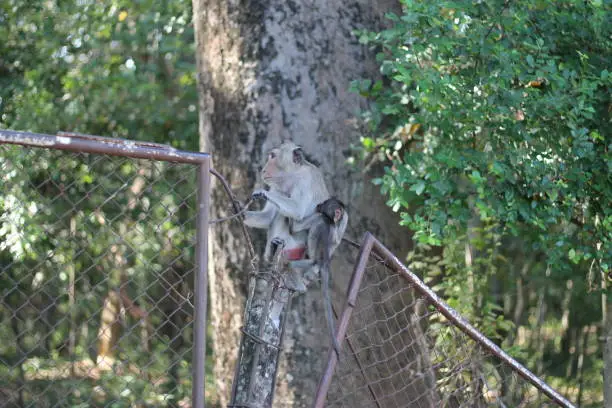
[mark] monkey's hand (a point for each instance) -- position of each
(277, 242)
(259, 194)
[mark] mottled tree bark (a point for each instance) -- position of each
(277, 69)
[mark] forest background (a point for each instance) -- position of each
(486, 126)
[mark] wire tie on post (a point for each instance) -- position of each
(258, 339)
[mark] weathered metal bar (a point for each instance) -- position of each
(453, 316)
(99, 145)
(353, 290)
(201, 286)
(116, 140)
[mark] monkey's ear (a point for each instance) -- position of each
(312, 160)
(298, 156)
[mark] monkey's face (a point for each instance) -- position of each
(271, 168)
(281, 164)
(274, 172)
(332, 209)
(338, 213)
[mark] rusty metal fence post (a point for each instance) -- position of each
(353, 291)
(201, 284)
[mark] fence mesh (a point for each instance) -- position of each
(96, 264)
(400, 351)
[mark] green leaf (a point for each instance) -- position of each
(365, 85)
(418, 188)
(368, 143)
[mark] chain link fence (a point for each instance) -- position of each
(97, 258)
(103, 295)
(404, 347)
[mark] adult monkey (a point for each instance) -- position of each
(296, 187)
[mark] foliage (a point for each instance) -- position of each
(115, 68)
(494, 117)
(89, 224)
(512, 121)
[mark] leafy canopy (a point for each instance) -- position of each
(114, 68)
(500, 110)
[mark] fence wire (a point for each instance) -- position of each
(97, 258)
(399, 350)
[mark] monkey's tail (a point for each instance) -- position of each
(325, 282)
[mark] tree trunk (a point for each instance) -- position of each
(110, 330)
(267, 71)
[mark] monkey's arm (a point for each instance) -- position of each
(290, 207)
(306, 223)
(261, 219)
(338, 233)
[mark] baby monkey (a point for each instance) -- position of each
(325, 230)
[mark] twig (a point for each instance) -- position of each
(245, 207)
(237, 211)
